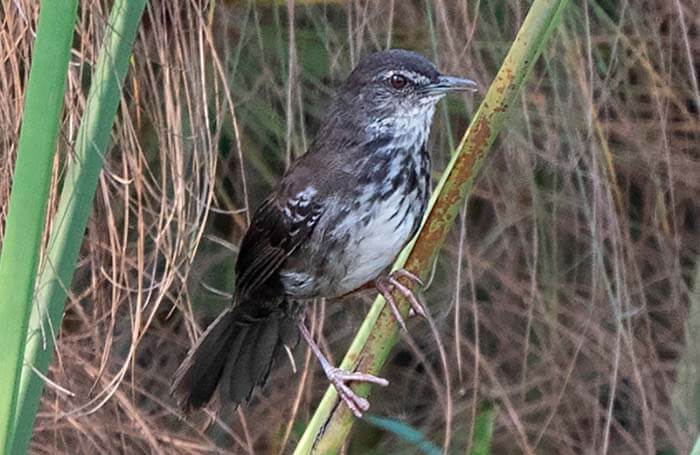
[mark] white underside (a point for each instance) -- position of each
(378, 243)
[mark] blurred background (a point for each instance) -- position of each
(567, 296)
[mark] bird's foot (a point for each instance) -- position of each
(386, 285)
(340, 378)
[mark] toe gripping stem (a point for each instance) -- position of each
(387, 284)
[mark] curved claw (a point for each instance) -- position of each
(384, 286)
(403, 273)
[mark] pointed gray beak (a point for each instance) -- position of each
(446, 84)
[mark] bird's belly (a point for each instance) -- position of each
(345, 256)
(380, 243)
(355, 248)
(375, 236)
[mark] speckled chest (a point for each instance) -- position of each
(365, 226)
(387, 214)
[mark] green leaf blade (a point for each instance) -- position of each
(27, 206)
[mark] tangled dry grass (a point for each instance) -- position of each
(561, 298)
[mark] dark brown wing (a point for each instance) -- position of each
(277, 229)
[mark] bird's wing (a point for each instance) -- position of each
(277, 229)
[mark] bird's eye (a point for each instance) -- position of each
(398, 81)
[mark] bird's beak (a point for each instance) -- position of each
(446, 84)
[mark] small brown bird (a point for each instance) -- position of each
(334, 224)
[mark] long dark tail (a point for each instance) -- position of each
(236, 352)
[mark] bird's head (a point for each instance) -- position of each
(398, 85)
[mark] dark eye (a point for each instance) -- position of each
(398, 81)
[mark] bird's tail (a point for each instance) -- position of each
(236, 353)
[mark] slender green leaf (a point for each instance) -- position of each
(405, 432)
(483, 431)
(27, 207)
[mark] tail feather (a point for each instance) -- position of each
(236, 353)
(268, 338)
(242, 383)
(198, 375)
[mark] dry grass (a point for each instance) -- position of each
(561, 296)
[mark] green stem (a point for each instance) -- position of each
(368, 352)
(27, 207)
(75, 206)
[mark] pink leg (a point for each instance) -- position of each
(339, 378)
(385, 285)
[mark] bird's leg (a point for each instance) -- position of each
(386, 284)
(339, 378)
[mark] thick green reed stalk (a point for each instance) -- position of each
(75, 205)
(331, 424)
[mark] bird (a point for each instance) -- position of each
(334, 224)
